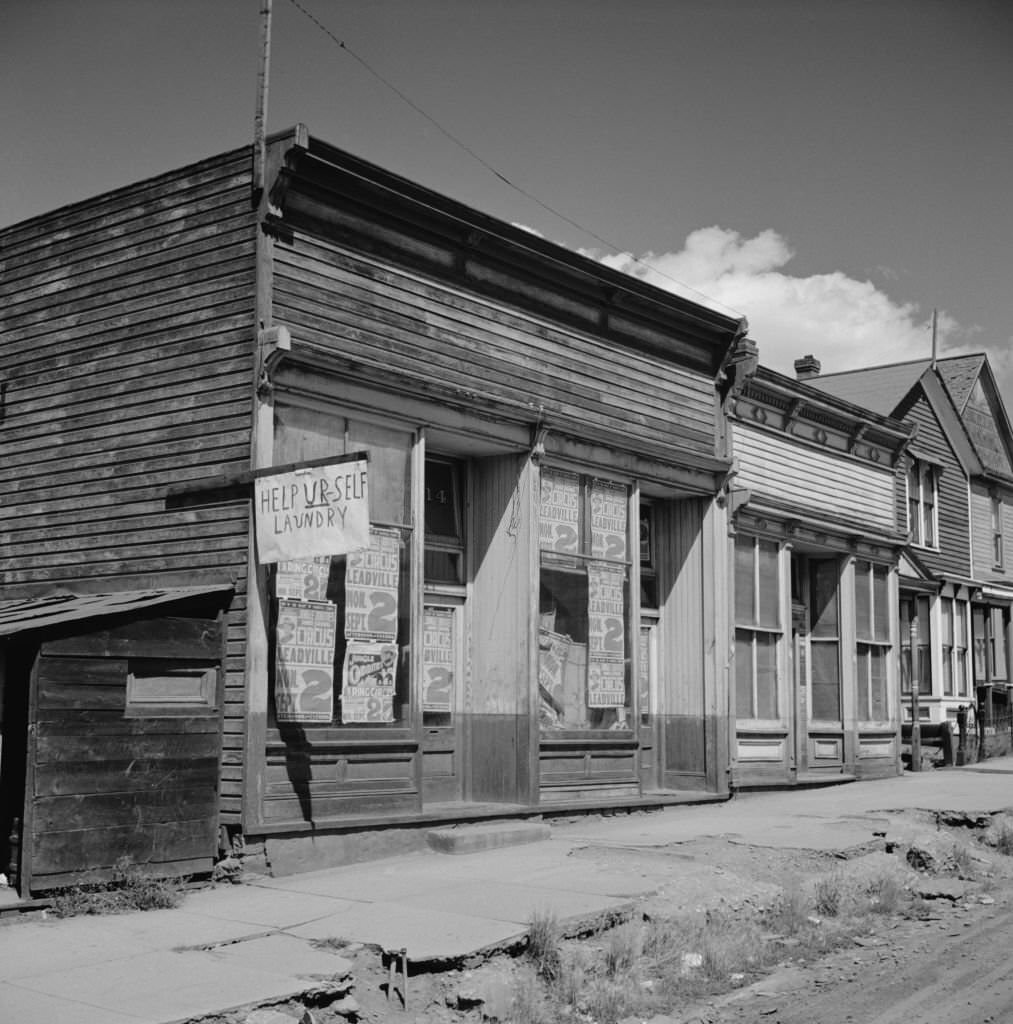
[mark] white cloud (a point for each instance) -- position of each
(844, 322)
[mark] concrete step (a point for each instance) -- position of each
(489, 835)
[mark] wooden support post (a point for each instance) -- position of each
(916, 725)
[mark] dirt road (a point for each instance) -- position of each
(954, 969)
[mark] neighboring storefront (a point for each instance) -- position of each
(817, 536)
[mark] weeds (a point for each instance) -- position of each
(1003, 838)
(643, 968)
(829, 894)
(128, 888)
(544, 946)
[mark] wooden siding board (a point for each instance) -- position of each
(435, 313)
(101, 265)
(820, 481)
(174, 214)
(93, 283)
(530, 362)
(223, 172)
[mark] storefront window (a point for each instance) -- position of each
(872, 613)
(584, 662)
(342, 623)
(825, 640)
(757, 628)
(915, 608)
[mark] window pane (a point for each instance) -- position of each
(947, 670)
(389, 463)
(863, 600)
(770, 592)
(826, 682)
(823, 597)
(743, 674)
(766, 676)
(946, 607)
(744, 585)
(881, 603)
(877, 684)
(443, 501)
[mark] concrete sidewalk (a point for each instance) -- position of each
(233, 946)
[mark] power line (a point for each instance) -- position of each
(485, 163)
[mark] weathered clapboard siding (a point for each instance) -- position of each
(127, 334)
(807, 478)
(385, 320)
(982, 536)
(954, 552)
(127, 337)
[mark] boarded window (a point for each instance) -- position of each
(158, 687)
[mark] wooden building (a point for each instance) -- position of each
(817, 532)
(957, 580)
(536, 620)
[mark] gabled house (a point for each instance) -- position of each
(818, 528)
(955, 576)
(203, 376)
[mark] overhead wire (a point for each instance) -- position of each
(485, 163)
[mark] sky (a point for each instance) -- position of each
(834, 170)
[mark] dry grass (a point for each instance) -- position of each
(651, 966)
(129, 888)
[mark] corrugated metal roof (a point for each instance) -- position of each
(54, 609)
(879, 388)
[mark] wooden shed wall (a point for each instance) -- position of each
(382, 320)
(126, 344)
(811, 479)
(954, 553)
(107, 785)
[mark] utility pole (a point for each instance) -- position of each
(934, 351)
(260, 118)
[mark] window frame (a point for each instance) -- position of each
(204, 702)
(865, 574)
(577, 563)
(998, 554)
(923, 496)
(773, 634)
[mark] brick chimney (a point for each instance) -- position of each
(807, 367)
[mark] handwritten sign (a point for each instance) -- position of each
(371, 584)
(606, 683)
(368, 683)
(559, 512)
(606, 625)
(304, 665)
(438, 660)
(303, 579)
(608, 520)
(322, 510)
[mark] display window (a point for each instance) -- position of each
(584, 602)
(340, 638)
